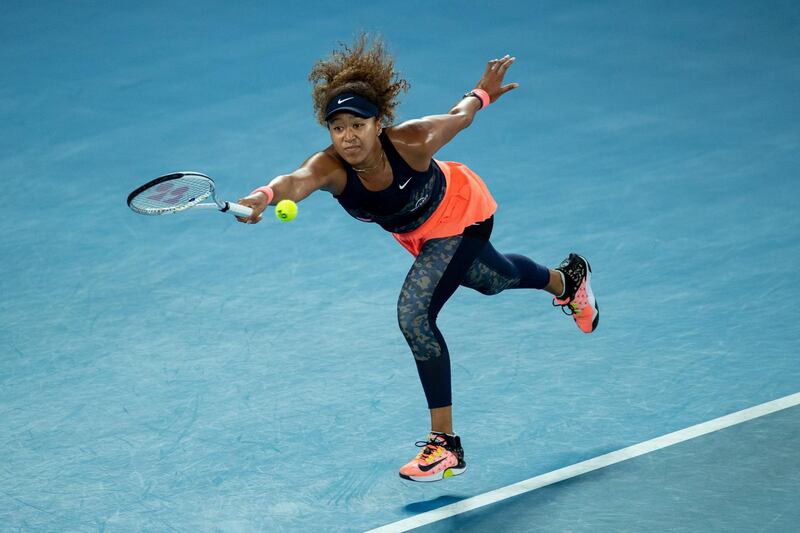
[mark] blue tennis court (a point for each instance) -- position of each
(189, 373)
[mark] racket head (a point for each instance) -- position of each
(171, 193)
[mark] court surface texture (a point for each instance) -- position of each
(192, 374)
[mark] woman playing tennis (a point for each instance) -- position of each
(441, 212)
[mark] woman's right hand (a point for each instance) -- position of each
(258, 203)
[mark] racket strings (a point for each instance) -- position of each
(172, 195)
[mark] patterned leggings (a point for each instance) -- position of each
(442, 265)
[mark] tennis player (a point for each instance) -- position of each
(440, 211)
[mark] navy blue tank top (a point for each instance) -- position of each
(405, 204)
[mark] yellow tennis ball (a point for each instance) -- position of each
(286, 210)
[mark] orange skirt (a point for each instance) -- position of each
(466, 201)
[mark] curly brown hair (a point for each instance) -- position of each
(362, 68)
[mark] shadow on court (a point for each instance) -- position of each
(516, 514)
(429, 505)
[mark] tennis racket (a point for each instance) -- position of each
(180, 191)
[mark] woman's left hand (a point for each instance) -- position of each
(492, 80)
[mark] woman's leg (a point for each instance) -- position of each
(432, 279)
(570, 283)
(493, 272)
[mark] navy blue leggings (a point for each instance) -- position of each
(442, 265)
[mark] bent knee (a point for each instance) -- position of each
(419, 331)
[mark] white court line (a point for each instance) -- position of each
(591, 464)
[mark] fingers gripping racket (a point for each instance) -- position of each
(180, 191)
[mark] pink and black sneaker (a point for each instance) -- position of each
(578, 299)
(442, 456)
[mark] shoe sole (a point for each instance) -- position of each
(590, 294)
(447, 472)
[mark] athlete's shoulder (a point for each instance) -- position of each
(411, 139)
(324, 161)
(329, 167)
(327, 156)
(410, 133)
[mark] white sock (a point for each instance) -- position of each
(563, 284)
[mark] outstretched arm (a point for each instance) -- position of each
(320, 171)
(423, 137)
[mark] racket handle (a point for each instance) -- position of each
(238, 209)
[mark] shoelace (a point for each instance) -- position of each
(430, 446)
(570, 308)
(574, 305)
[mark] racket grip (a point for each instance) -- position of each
(238, 209)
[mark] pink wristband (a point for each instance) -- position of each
(267, 190)
(484, 97)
